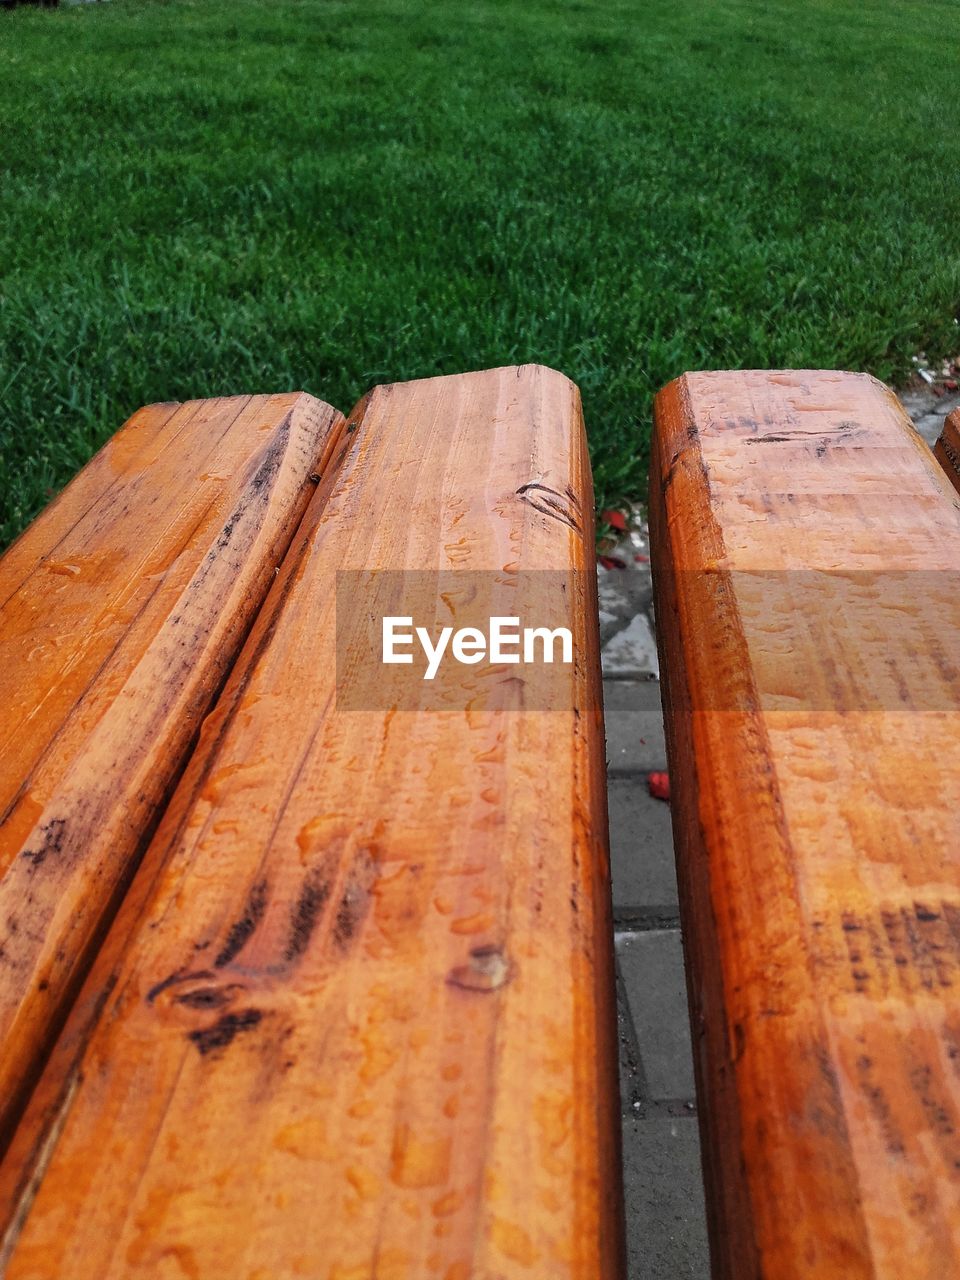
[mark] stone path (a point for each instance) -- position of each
(666, 1230)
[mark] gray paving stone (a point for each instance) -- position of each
(635, 1098)
(651, 967)
(623, 593)
(631, 652)
(663, 1186)
(641, 847)
(634, 720)
(609, 622)
(929, 410)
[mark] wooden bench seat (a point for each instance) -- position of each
(355, 1016)
(121, 610)
(806, 552)
(947, 448)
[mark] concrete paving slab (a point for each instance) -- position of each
(663, 1186)
(624, 593)
(609, 623)
(632, 652)
(651, 967)
(641, 847)
(634, 721)
(666, 1221)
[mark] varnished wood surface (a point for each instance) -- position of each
(356, 1017)
(947, 448)
(807, 559)
(121, 609)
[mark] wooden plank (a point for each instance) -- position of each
(807, 560)
(947, 449)
(121, 610)
(356, 1017)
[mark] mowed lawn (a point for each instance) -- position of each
(204, 197)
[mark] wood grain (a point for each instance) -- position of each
(947, 448)
(121, 609)
(806, 561)
(356, 1017)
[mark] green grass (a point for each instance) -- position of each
(202, 197)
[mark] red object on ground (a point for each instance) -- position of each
(616, 518)
(659, 785)
(612, 562)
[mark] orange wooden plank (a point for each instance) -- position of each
(807, 562)
(121, 610)
(356, 1017)
(947, 448)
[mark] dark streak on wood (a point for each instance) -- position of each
(224, 1030)
(306, 911)
(242, 929)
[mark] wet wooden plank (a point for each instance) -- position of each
(356, 1017)
(121, 610)
(947, 449)
(807, 561)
